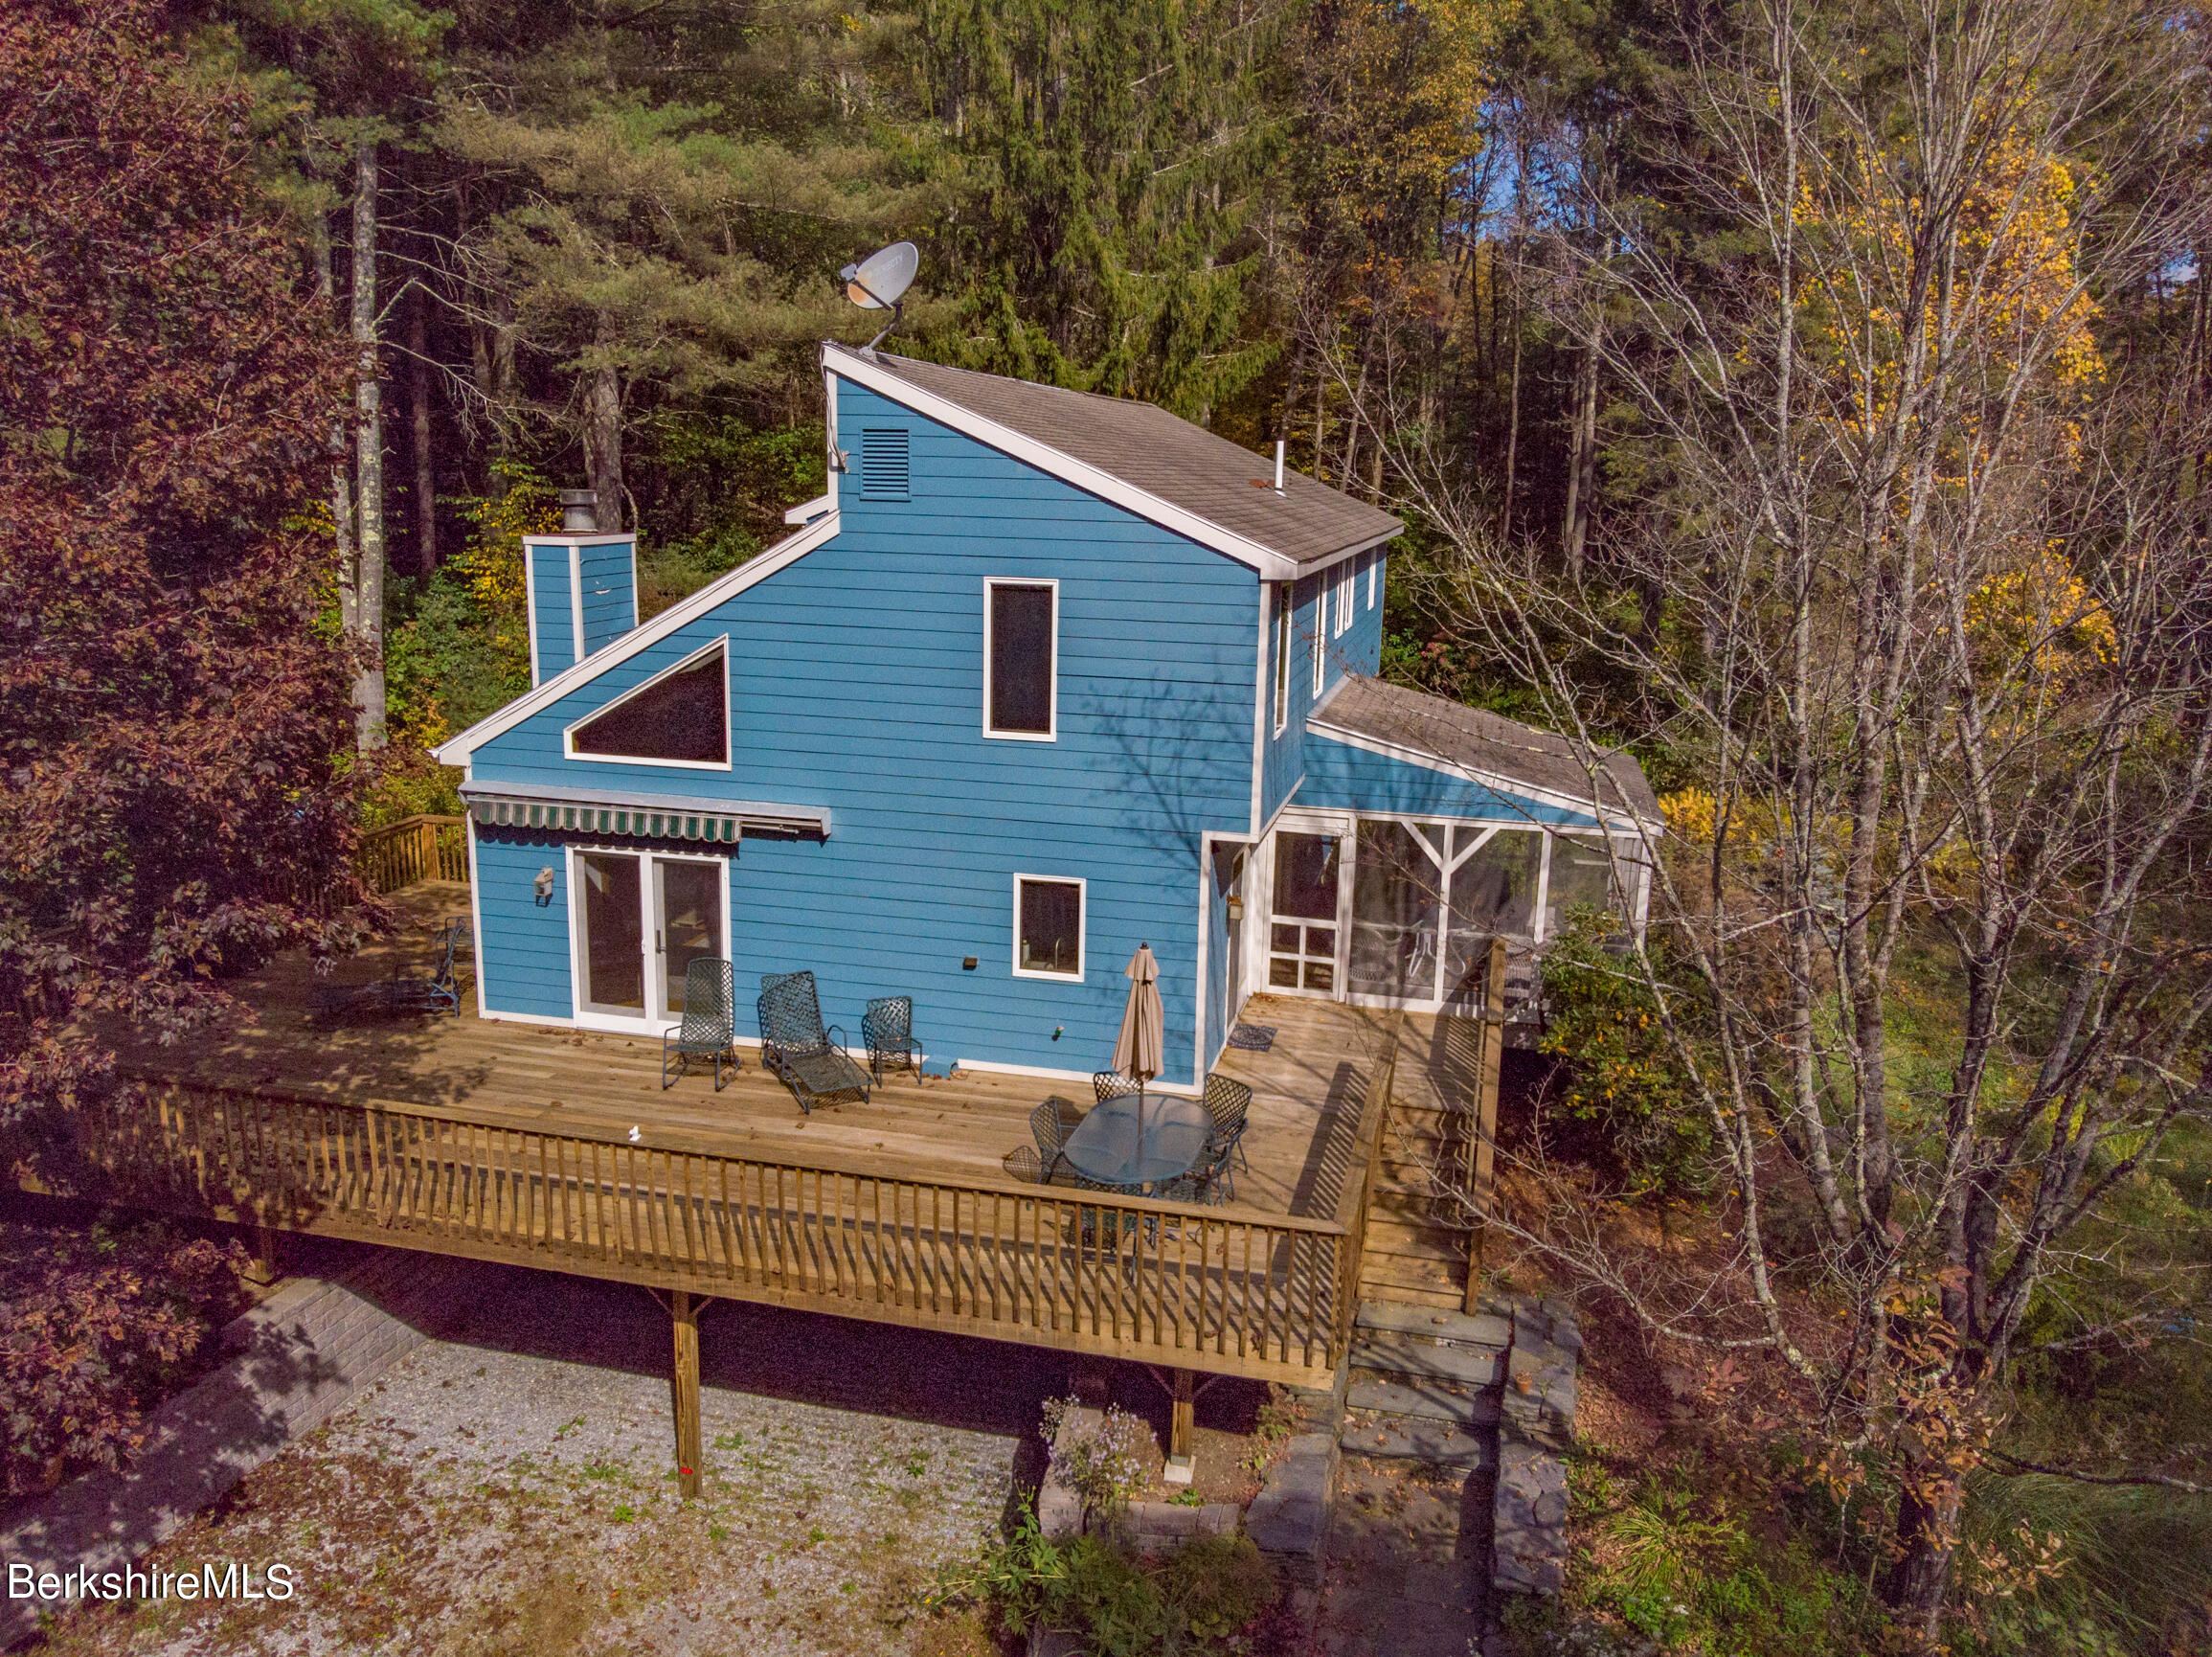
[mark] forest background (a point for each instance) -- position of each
(1814, 397)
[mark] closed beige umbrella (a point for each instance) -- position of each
(1136, 1049)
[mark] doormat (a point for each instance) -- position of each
(1253, 1037)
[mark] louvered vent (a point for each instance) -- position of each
(883, 463)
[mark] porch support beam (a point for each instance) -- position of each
(1484, 1185)
(684, 1389)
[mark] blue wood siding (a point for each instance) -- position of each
(552, 610)
(856, 684)
(610, 584)
(1343, 778)
(522, 949)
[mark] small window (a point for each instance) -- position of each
(1020, 640)
(1344, 599)
(1047, 927)
(883, 463)
(680, 718)
(1374, 564)
(1282, 655)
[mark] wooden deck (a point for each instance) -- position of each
(512, 1141)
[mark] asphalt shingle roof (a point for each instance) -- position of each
(1165, 456)
(1484, 742)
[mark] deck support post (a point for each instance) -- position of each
(1181, 1413)
(1484, 1183)
(683, 1316)
(267, 1264)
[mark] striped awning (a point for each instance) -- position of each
(638, 816)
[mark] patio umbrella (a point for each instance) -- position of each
(1137, 1049)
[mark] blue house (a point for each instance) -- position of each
(1043, 676)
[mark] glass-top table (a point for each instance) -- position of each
(1109, 1147)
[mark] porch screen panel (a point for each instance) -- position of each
(614, 952)
(1301, 954)
(1581, 878)
(1493, 891)
(1397, 910)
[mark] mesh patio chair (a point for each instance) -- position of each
(887, 1027)
(1022, 1163)
(1109, 1084)
(1226, 1102)
(796, 1047)
(1050, 1127)
(402, 992)
(1208, 1179)
(709, 1027)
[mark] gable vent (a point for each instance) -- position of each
(883, 463)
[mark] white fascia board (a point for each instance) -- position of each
(1351, 552)
(810, 510)
(455, 750)
(1606, 814)
(850, 365)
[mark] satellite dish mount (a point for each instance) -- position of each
(879, 283)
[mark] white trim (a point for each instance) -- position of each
(650, 1018)
(1082, 927)
(807, 512)
(1347, 597)
(1259, 707)
(1205, 903)
(1543, 893)
(1051, 731)
(729, 747)
(834, 458)
(1374, 563)
(852, 366)
(577, 593)
(476, 917)
(1612, 814)
(530, 609)
(455, 750)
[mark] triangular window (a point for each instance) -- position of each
(682, 717)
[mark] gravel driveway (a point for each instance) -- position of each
(510, 1491)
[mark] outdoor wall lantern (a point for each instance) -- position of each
(968, 963)
(544, 885)
(1236, 909)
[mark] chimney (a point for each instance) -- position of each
(1278, 465)
(581, 512)
(581, 586)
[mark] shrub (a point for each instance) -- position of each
(1621, 1072)
(96, 1325)
(1212, 1592)
(1105, 1465)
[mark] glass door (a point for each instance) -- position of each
(613, 956)
(688, 901)
(1302, 931)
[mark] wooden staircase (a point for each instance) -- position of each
(1433, 1169)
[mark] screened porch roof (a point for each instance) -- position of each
(1484, 745)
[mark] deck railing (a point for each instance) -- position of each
(1227, 1289)
(418, 847)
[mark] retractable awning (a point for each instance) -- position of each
(636, 815)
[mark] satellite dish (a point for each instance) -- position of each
(879, 282)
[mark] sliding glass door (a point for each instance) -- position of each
(638, 928)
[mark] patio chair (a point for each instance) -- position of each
(1108, 1084)
(1050, 1127)
(1208, 1179)
(887, 1027)
(1226, 1102)
(709, 1027)
(402, 992)
(1022, 1163)
(796, 1046)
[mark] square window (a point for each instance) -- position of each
(1047, 927)
(1021, 648)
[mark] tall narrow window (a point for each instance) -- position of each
(1374, 566)
(682, 717)
(1021, 648)
(1320, 630)
(1344, 599)
(1282, 655)
(1047, 927)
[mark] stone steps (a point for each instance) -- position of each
(1392, 1352)
(1414, 1438)
(1429, 1400)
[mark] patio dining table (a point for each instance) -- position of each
(1107, 1148)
